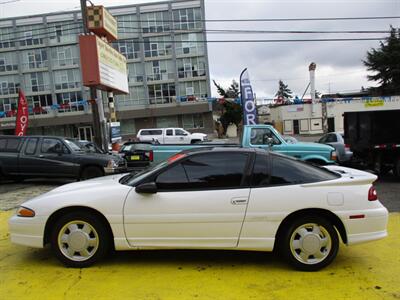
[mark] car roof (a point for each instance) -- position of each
(219, 149)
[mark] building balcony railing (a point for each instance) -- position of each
(160, 76)
(67, 85)
(35, 65)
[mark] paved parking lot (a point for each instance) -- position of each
(368, 271)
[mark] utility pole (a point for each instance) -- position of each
(97, 128)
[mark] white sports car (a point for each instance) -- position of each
(209, 198)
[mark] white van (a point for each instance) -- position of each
(170, 136)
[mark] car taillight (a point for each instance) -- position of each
(176, 157)
(151, 155)
(372, 195)
(346, 147)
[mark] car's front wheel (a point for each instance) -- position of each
(310, 243)
(78, 240)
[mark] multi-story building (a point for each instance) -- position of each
(165, 47)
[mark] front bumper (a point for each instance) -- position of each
(27, 231)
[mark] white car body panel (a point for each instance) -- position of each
(207, 219)
(165, 220)
(175, 138)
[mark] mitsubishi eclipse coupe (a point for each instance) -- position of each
(209, 198)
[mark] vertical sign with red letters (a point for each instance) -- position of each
(21, 123)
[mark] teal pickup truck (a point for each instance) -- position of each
(254, 136)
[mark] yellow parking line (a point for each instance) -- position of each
(368, 271)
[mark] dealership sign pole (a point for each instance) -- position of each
(248, 103)
(21, 122)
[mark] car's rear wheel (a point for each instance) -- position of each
(79, 240)
(310, 243)
(91, 172)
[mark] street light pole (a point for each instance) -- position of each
(97, 129)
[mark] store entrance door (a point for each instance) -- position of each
(85, 133)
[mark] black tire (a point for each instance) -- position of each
(310, 253)
(91, 172)
(195, 141)
(86, 253)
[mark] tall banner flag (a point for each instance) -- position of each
(21, 123)
(248, 103)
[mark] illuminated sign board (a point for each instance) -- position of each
(103, 67)
(102, 23)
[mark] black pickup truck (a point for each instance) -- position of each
(48, 156)
(374, 138)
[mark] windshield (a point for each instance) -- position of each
(133, 178)
(74, 145)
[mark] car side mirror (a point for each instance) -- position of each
(146, 188)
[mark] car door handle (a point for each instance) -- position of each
(239, 201)
(41, 155)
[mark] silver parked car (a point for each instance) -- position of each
(336, 140)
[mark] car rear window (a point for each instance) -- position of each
(286, 170)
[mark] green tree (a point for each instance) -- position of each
(231, 112)
(231, 92)
(284, 91)
(385, 63)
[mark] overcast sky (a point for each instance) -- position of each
(339, 64)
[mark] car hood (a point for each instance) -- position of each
(309, 147)
(94, 184)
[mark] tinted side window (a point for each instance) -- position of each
(259, 136)
(179, 132)
(3, 143)
(31, 146)
(173, 178)
(169, 132)
(51, 146)
(260, 171)
(215, 170)
(156, 132)
(290, 171)
(12, 144)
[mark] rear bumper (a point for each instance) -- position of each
(370, 228)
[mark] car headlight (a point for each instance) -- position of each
(112, 164)
(25, 212)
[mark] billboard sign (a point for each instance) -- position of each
(101, 22)
(103, 67)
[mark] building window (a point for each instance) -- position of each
(40, 104)
(135, 72)
(188, 44)
(65, 56)
(135, 97)
(192, 88)
(193, 121)
(129, 48)
(37, 82)
(7, 38)
(159, 70)
(127, 26)
(161, 93)
(191, 67)
(71, 101)
(64, 32)
(128, 127)
(155, 22)
(67, 79)
(34, 59)
(187, 18)
(9, 85)
(31, 35)
(157, 46)
(8, 62)
(8, 105)
(165, 122)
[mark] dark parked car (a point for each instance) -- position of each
(138, 155)
(48, 156)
